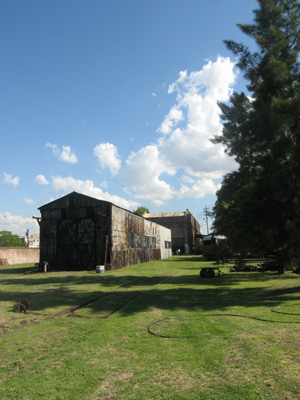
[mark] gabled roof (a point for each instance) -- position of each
(78, 200)
(75, 197)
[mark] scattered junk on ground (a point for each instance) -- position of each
(210, 272)
(39, 267)
(253, 264)
(21, 307)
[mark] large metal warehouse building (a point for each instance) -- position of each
(80, 232)
(185, 229)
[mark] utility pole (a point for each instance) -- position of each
(27, 235)
(206, 215)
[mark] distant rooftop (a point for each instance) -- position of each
(166, 214)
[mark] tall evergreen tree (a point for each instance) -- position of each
(261, 200)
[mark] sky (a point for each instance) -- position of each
(115, 99)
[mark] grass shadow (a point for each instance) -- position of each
(174, 289)
(175, 293)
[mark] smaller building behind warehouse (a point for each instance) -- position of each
(79, 232)
(185, 229)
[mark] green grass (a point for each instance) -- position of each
(104, 351)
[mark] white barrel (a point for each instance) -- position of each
(100, 269)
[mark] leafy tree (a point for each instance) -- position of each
(141, 211)
(258, 206)
(7, 239)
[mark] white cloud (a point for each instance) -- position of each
(65, 154)
(88, 188)
(171, 120)
(198, 94)
(8, 179)
(17, 224)
(187, 179)
(142, 172)
(41, 180)
(200, 189)
(54, 148)
(107, 155)
(29, 201)
(184, 143)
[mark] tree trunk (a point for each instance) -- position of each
(281, 269)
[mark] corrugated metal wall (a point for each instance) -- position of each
(134, 239)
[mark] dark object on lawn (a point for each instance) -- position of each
(208, 272)
(21, 307)
(253, 264)
(25, 303)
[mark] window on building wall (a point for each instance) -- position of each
(135, 241)
(168, 245)
(153, 243)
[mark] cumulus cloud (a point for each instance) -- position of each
(17, 224)
(197, 95)
(199, 189)
(65, 154)
(184, 143)
(187, 179)
(8, 179)
(104, 184)
(29, 201)
(41, 180)
(88, 188)
(142, 172)
(171, 120)
(107, 155)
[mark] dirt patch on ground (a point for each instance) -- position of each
(109, 384)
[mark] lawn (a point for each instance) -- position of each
(209, 338)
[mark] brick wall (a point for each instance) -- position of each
(19, 255)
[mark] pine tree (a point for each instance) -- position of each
(262, 132)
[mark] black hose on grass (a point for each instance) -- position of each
(286, 313)
(218, 315)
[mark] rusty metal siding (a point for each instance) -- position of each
(78, 232)
(134, 239)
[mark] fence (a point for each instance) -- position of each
(18, 255)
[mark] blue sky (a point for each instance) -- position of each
(114, 99)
